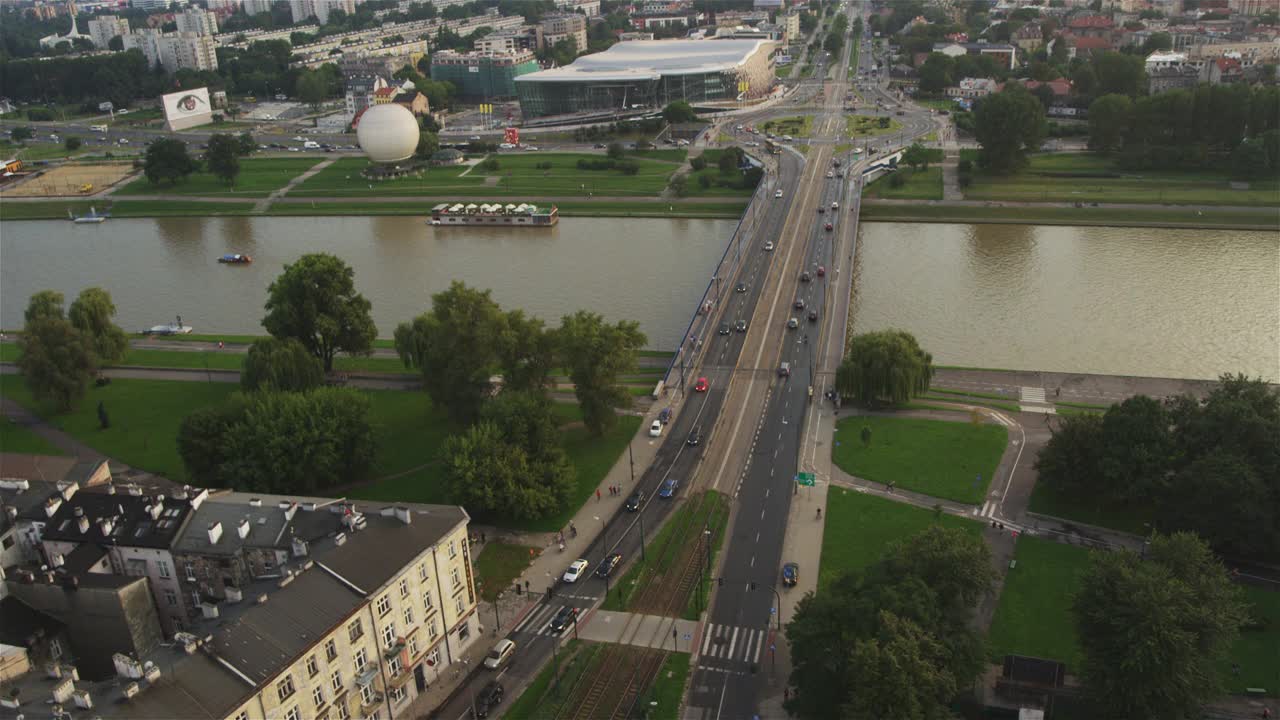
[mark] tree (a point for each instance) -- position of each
(428, 144)
(616, 151)
(526, 353)
(595, 353)
(1109, 119)
(22, 133)
(892, 640)
(92, 314)
(116, 44)
(223, 157)
(1249, 161)
(55, 359)
(167, 160)
(679, 112)
(246, 144)
(1153, 632)
(1071, 462)
(866, 436)
(72, 143)
(456, 347)
(284, 365)
(1084, 80)
(1157, 42)
(44, 304)
(315, 301)
(917, 156)
(311, 88)
(1120, 73)
(887, 365)
(935, 73)
(1137, 448)
(1008, 125)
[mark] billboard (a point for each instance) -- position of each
(187, 108)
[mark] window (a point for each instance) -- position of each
(7, 543)
(165, 570)
(359, 661)
(195, 598)
(313, 667)
(453, 549)
(404, 587)
(433, 658)
(335, 681)
(284, 688)
(461, 606)
(331, 650)
(242, 715)
(55, 648)
(343, 713)
(457, 581)
(355, 630)
(408, 616)
(170, 597)
(366, 694)
(384, 605)
(291, 713)
(398, 694)
(317, 696)
(432, 632)
(135, 567)
(389, 634)
(426, 599)
(413, 646)
(268, 562)
(393, 666)
(422, 572)
(189, 569)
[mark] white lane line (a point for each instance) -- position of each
(707, 632)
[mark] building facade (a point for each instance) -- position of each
(555, 28)
(105, 27)
(482, 76)
(196, 21)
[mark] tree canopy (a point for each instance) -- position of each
(276, 364)
(884, 366)
(679, 112)
(596, 353)
(315, 301)
(223, 157)
(56, 361)
(167, 160)
(91, 313)
(1008, 125)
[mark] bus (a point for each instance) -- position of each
(771, 148)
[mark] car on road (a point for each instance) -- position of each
(297, 138)
(740, 326)
(695, 436)
(669, 488)
(474, 137)
(804, 276)
(828, 227)
(634, 501)
(835, 205)
(724, 329)
(567, 614)
(599, 146)
(793, 323)
(798, 304)
(777, 193)
(768, 246)
(501, 653)
(822, 270)
(813, 316)
(784, 370)
(790, 574)
(821, 209)
(507, 146)
(702, 385)
(830, 174)
(123, 141)
(839, 173)
(576, 570)
(741, 287)
(655, 430)
(489, 698)
(608, 564)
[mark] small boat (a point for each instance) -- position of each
(94, 217)
(173, 328)
(235, 259)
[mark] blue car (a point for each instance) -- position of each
(669, 488)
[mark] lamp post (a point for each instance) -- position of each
(632, 459)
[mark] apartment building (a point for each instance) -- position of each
(510, 41)
(197, 21)
(300, 10)
(590, 8)
(105, 27)
(565, 27)
(174, 51)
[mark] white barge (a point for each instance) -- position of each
(494, 214)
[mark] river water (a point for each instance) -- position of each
(1122, 301)
(1173, 303)
(650, 270)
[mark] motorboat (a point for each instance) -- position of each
(173, 328)
(93, 218)
(235, 259)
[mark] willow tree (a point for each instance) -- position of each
(884, 366)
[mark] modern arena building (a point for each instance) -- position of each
(651, 74)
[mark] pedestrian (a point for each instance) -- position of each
(1266, 713)
(1057, 393)
(786, 694)
(597, 494)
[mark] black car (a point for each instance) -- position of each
(804, 276)
(724, 328)
(813, 316)
(695, 436)
(563, 618)
(489, 698)
(606, 566)
(742, 287)
(799, 303)
(634, 501)
(741, 326)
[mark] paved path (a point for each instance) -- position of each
(262, 205)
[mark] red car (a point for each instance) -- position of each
(822, 270)
(828, 226)
(701, 385)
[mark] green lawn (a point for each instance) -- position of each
(226, 359)
(1034, 615)
(859, 527)
(1047, 501)
(862, 126)
(796, 126)
(572, 208)
(57, 210)
(1110, 217)
(1087, 177)
(951, 460)
(1257, 650)
(713, 175)
(662, 700)
(37, 151)
(15, 438)
(921, 185)
(541, 700)
(498, 565)
(258, 178)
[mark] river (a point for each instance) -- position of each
(1126, 301)
(650, 270)
(1117, 301)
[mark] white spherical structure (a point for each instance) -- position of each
(387, 133)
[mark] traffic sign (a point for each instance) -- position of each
(806, 478)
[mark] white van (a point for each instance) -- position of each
(98, 128)
(500, 654)
(311, 145)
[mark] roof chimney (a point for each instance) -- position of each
(106, 525)
(339, 539)
(156, 508)
(242, 529)
(403, 514)
(67, 489)
(283, 504)
(78, 511)
(198, 499)
(290, 510)
(181, 493)
(299, 547)
(51, 505)
(134, 490)
(215, 532)
(82, 523)
(111, 488)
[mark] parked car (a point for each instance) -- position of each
(501, 653)
(790, 574)
(576, 570)
(634, 501)
(489, 698)
(608, 564)
(655, 430)
(669, 488)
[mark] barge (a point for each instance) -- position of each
(494, 214)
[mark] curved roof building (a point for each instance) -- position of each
(650, 73)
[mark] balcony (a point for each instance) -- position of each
(401, 678)
(375, 702)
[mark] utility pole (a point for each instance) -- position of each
(632, 458)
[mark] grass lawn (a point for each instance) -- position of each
(663, 697)
(1046, 500)
(860, 526)
(922, 185)
(713, 177)
(258, 177)
(342, 179)
(1257, 650)
(38, 151)
(1087, 177)
(15, 438)
(57, 210)
(795, 126)
(933, 457)
(227, 359)
(498, 565)
(540, 701)
(869, 126)
(1034, 615)
(573, 208)
(1263, 219)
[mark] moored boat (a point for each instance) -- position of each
(235, 259)
(93, 218)
(494, 214)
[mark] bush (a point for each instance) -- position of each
(965, 180)
(698, 163)
(966, 167)
(628, 167)
(898, 179)
(680, 185)
(545, 165)
(39, 114)
(704, 181)
(490, 164)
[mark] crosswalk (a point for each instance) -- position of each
(732, 643)
(1032, 395)
(538, 621)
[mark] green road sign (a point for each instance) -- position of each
(806, 478)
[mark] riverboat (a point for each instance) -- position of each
(235, 259)
(93, 218)
(494, 215)
(173, 328)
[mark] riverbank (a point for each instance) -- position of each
(1027, 213)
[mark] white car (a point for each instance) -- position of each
(122, 111)
(577, 569)
(768, 246)
(530, 148)
(655, 430)
(507, 146)
(297, 138)
(830, 174)
(777, 194)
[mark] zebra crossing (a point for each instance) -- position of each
(538, 621)
(1032, 395)
(732, 643)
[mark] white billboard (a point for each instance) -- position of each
(187, 108)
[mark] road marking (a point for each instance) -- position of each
(733, 642)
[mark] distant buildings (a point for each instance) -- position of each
(1005, 55)
(300, 10)
(362, 79)
(590, 8)
(480, 75)
(103, 28)
(197, 21)
(174, 51)
(555, 28)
